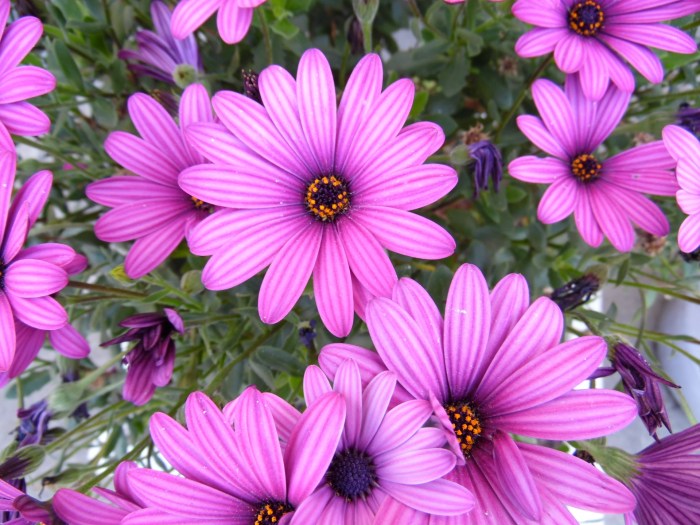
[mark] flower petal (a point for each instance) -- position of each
(34, 278)
(233, 21)
(44, 313)
(439, 497)
(538, 170)
(190, 14)
(516, 480)
(7, 334)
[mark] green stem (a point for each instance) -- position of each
(367, 36)
(107, 289)
(266, 35)
(52, 151)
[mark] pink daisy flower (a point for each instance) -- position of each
(29, 277)
(318, 190)
(236, 473)
(16, 508)
(18, 83)
(605, 196)
(382, 454)
(596, 37)
(232, 21)
(150, 207)
(493, 367)
(685, 149)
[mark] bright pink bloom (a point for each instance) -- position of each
(494, 367)
(234, 468)
(233, 19)
(29, 277)
(382, 454)
(16, 508)
(318, 190)
(18, 83)
(605, 196)
(685, 149)
(596, 37)
(151, 207)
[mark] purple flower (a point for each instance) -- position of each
(29, 277)
(233, 19)
(33, 424)
(666, 481)
(576, 292)
(78, 509)
(595, 37)
(605, 196)
(16, 508)
(318, 190)
(487, 163)
(685, 149)
(160, 55)
(383, 453)
(150, 362)
(234, 468)
(493, 367)
(689, 118)
(151, 207)
(18, 83)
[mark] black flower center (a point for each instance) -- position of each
(586, 18)
(351, 474)
(272, 512)
(327, 197)
(585, 167)
(199, 204)
(465, 423)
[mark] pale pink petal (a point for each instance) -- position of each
(414, 467)
(661, 36)
(233, 21)
(510, 299)
(689, 234)
(681, 143)
(416, 301)
(151, 250)
(217, 144)
(399, 424)
(533, 128)
(190, 14)
(439, 497)
(315, 384)
(34, 193)
(8, 161)
(539, 41)
(688, 174)
(142, 158)
(375, 402)
(688, 202)
(348, 383)
(16, 233)
(34, 278)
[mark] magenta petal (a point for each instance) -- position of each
(190, 14)
(151, 250)
(315, 384)
(559, 201)
(78, 509)
(150, 516)
(375, 401)
(18, 40)
(538, 170)
(539, 41)
(681, 143)
(69, 342)
(417, 302)
(533, 128)
(399, 425)
(44, 313)
(139, 218)
(233, 21)
(612, 219)
(7, 334)
(142, 158)
(22, 118)
(25, 82)
(195, 106)
(333, 355)
(439, 497)
(16, 233)
(115, 191)
(510, 299)
(33, 194)
(34, 278)
(556, 113)
(8, 162)
(312, 446)
(586, 222)
(284, 414)
(288, 274)
(348, 383)
(414, 467)
(28, 344)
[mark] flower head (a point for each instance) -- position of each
(20, 83)
(605, 195)
(17, 508)
(317, 190)
(150, 206)
(233, 18)
(576, 292)
(494, 366)
(689, 118)
(150, 362)
(33, 424)
(214, 450)
(383, 453)
(487, 163)
(596, 37)
(160, 55)
(684, 147)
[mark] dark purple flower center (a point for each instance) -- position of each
(250, 85)
(272, 512)
(2, 274)
(327, 197)
(199, 204)
(585, 167)
(351, 474)
(465, 423)
(586, 18)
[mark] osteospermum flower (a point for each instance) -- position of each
(596, 37)
(212, 453)
(151, 361)
(16, 508)
(493, 367)
(685, 149)
(233, 18)
(383, 453)
(605, 195)
(665, 480)
(29, 277)
(318, 190)
(160, 55)
(76, 508)
(19, 83)
(150, 207)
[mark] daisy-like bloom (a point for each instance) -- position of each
(666, 481)
(685, 150)
(495, 366)
(16, 508)
(160, 55)
(605, 195)
(318, 190)
(596, 37)
(78, 509)
(150, 206)
(382, 453)
(19, 83)
(233, 18)
(234, 469)
(29, 277)
(151, 361)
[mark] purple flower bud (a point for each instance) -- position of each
(33, 424)
(487, 163)
(576, 292)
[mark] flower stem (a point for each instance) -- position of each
(106, 289)
(266, 35)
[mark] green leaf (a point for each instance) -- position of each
(285, 28)
(68, 66)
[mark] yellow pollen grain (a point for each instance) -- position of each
(466, 425)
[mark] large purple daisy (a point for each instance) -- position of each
(383, 453)
(233, 18)
(236, 474)
(495, 367)
(605, 196)
(595, 37)
(150, 207)
(318, 190)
